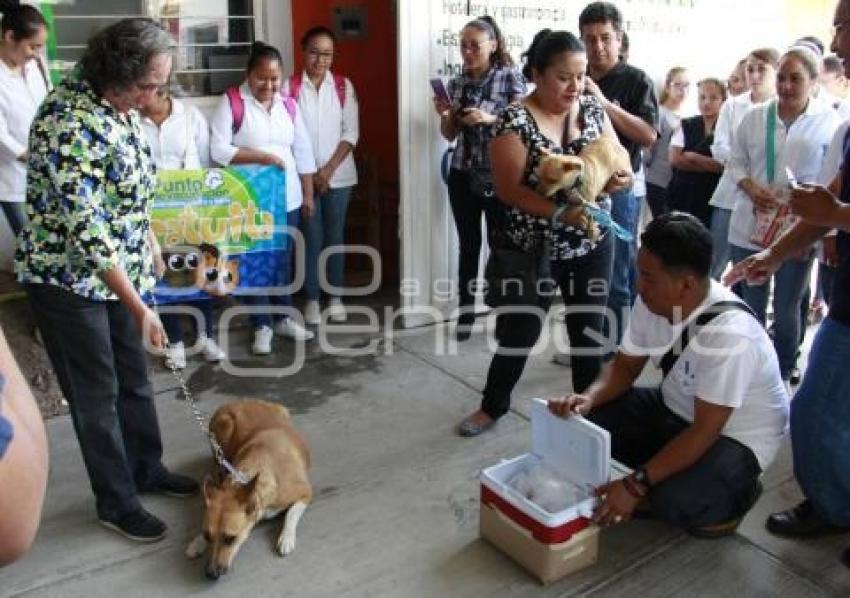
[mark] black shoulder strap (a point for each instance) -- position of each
(692, 329)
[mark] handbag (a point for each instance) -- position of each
(481, 182)
(512, 276)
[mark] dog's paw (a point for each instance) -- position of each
(286, 544)
(196, 547)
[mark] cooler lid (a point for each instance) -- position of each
(575, 447)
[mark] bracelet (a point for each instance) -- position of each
(556, 215)
(634, 487)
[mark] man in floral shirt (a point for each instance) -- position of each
(85, 260)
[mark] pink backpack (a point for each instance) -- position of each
(237, 106)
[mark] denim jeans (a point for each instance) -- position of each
(820, 424)
(467, 209)
(721, 254)
(171, 321)
(258, 320)
(100, 361)
(790, 283)
(579, 280)
(325, 229)
(625, 211)
(719, 487)
(15, 215)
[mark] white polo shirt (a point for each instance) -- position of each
(731, 362)
(329, 123)
(801, 147)
(271, 131)
(182, 141)
(20, 96)
(731, 114)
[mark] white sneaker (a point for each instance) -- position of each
(262, 341)
(175, 356)
(336, 310)
(313, 313)
(212, 352)
(291, 329)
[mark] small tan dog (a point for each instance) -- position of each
(258, 438)
(584, 175)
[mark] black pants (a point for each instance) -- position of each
(583, 282)
(719, 487)
(656, 197)
(97, 352)
(467, 208)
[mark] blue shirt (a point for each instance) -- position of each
(6, 430)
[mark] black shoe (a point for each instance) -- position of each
(464, 326)
(845, 557)
(172, 484)
(796, 377)
(139, 525)
(800, 522)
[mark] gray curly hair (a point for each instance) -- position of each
(120, 55)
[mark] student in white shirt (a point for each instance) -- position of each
(700, 440)
(23, 85)
(804, 128)
(268, 134)
(760, 73)
(179, 139)
(329, 108)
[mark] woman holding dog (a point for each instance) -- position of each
(556, 117)
(478, 97)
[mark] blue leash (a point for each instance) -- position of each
(604, 219)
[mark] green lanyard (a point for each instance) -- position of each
(770, 143)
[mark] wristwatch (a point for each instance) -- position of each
(641, 477)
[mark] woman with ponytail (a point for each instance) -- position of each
(23, 85)
(477, 98)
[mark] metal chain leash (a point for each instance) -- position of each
(218, 453)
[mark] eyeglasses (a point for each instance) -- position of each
(316, 54)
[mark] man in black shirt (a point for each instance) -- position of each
(628, 96)
(820, 411)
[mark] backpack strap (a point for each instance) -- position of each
(291, 107)
(237, 107)
(721, 307)
(339, 85)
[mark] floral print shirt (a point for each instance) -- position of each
(90, 182)
(526, 231)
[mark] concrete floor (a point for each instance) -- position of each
(396, 509)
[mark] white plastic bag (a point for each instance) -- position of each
(542, 486)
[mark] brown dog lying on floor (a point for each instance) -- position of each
(258, 439)
(583, 176)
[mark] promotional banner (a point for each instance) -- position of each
(222, 230)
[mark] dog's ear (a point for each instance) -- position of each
(209, 485)
(574, 164)
(247, 496)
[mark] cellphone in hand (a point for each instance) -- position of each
(440, 91)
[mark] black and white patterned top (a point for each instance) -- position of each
(525, 230)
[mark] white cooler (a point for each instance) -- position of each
(549, 545)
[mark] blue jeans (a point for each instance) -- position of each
(820, 425)
(324, 229)
(259, 319)
(790, 283)
(720, 256)
(171, 321)
(15, 215)
(625, 211)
